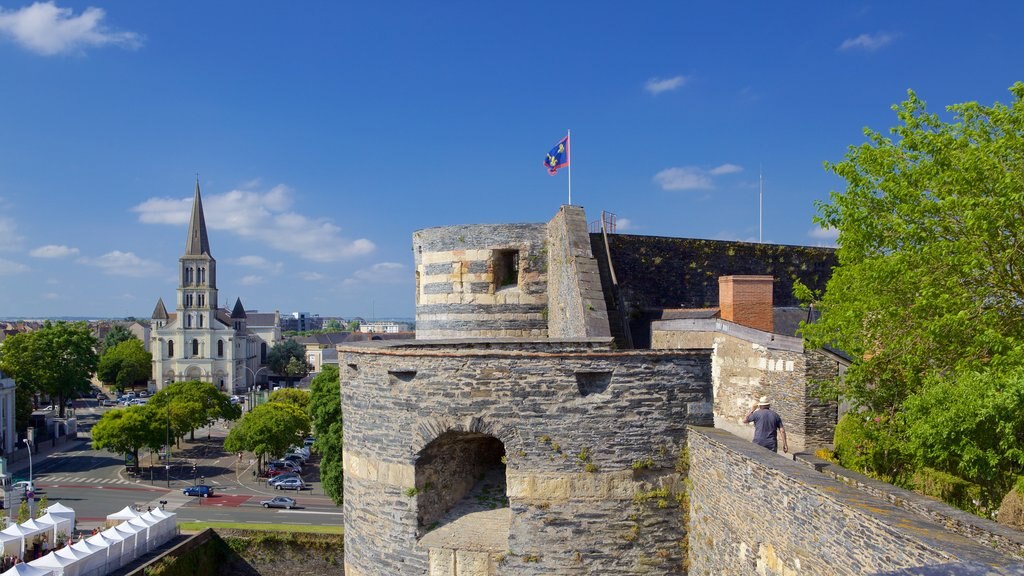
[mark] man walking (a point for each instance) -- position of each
(766, 424)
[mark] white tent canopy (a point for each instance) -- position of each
(61, 523)
(59, 564)
(11, 544)
(22, 533)
(37, 526)
(126, 513)
(22, 569)
(58, 509)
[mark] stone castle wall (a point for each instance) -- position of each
(584, 430)
(460, 290)
(754, 512)
(747, 364)
(576, 306)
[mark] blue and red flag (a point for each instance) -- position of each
(558, 157)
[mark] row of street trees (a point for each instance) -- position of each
(176, 410)
(928, 299)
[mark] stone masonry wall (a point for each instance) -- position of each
(576, 306)
(585, 429)
(458, 290)
(754, 512)
(747, 364)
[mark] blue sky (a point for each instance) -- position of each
(325, 133)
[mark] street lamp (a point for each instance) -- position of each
(252, 399)
(30, 491)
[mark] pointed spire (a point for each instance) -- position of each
(197, 244)
(238, 311)
(160, 312)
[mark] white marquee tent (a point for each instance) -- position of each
(22, 569)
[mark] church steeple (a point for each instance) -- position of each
(197, 244)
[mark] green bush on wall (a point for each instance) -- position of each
(948, 488)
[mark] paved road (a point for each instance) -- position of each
(95, 483)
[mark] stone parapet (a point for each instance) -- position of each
(754, 512)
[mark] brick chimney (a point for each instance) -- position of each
(747, 300)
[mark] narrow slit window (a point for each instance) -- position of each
(506, 268)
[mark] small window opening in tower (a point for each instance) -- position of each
(195, 347)
(170, 348)
(506, 268)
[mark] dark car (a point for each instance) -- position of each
(201, 490)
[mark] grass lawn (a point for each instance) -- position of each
(199, 526)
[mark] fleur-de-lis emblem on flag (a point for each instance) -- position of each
(558, 157)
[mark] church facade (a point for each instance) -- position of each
(200, 340)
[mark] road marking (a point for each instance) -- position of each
(312, 512)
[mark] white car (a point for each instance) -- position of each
(22, 487)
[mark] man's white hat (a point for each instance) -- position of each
(764, 401)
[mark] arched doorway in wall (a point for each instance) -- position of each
(194, 373)
(461, 492)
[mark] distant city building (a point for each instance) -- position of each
(8, 438)
(385, 327)
(301, 322)
(200, 340)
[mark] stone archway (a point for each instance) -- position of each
(461, 497)
(193, 373)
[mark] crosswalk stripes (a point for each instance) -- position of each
(79, 480)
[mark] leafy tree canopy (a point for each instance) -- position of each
(193, 404)
(117, 334)
(300, 398)
(268, 430)
(325, 413)
(929, 291)
(282, 353)
(127, 430)
(125, 364)
(58, 359)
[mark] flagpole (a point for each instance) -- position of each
(760, 203)
(568, 133)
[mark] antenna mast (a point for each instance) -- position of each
(760, 202)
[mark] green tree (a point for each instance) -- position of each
(288, 359)
(58, 360)
(930, 277)
(325, 413)
(268, 430)
(332, 325)
(117, 334)
(24, 514)
(352, 326)
(125, 364)
(193, 404)
(127, 430)
(929, 291)
(300, 398)
(44, 503)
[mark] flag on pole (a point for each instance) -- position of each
(558, 157)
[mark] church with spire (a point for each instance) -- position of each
(200, 340)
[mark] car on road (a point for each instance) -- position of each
(291, 484)
(108, 402)
(23, 487)
(201, 490)
(279, 502)
(281, 477)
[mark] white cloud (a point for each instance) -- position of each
(53, 251)
(824, 235)
(264, 217)
(119, 263)
(868, 42)
(623, 224)
(46, 29)
(686, 178)
(252, 280)
(9, 238)
(692, 177)
(726, 169)
(380, 273)
(261, 263)
(51, 296)
(10, 268)
(658, 85)
(311, 276)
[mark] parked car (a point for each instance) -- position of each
(274, 471)
(287, 464)
(304, 452)
(279, 502)
(308, 442)
(281, 477)
(108, 402)
(297, 458)
(201, 490)
(291, 484)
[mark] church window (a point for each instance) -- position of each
(200, 320)
(220, 348)
(202, 300)
(188, 321)
(195, 347)
(170, 348)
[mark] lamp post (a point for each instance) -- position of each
(30, 491)
(253, 387)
